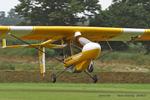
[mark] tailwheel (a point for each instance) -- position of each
(53, 78)
(95, 79)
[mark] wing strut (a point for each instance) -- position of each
(4, 43)
(41, 53)
(109, 46)
(60, 60)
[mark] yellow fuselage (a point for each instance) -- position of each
(83, 59)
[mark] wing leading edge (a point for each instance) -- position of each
(92, 33)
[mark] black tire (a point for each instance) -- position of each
(53, 78)
(90, 68)
(95, 79)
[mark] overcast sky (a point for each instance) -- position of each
(6, 5)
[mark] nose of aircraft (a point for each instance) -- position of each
(91, 50)
(91, 46)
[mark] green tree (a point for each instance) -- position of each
(11, 19)
(125, 13)
(56, 12)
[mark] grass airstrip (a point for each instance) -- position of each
(65, 91)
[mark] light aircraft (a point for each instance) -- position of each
(84, 38)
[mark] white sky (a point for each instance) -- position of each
(105, 3)
(6, 5)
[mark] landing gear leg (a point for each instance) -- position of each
(90, 68)
(95, 79)
(55, 76)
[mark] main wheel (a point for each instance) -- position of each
(53, 78)
(95, 79)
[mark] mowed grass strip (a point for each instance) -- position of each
(64, 91)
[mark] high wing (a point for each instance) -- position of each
(59, 32)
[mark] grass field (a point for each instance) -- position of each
(63, 91)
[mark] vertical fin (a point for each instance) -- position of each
(41, 53)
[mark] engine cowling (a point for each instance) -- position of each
(92, 48)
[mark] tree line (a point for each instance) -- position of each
(11, 19)
(121, 13)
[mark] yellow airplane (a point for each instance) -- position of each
(82, 37)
